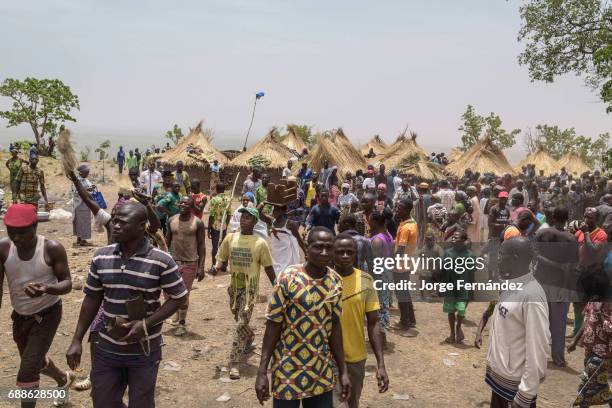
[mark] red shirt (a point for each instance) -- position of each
(197, 202)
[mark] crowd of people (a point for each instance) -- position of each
(548, 233)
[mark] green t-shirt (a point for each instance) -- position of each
(170, 202)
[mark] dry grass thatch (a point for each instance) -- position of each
(482, 157)
(542, 161)
(69, 157)
(277, 153)
(338, 151)
(293, 141)
(401, 149)
(573, 163)
(376, 144)
(422, 168)
(204, 152)
(454, 154)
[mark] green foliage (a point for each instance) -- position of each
(569, 36)
(85, 153)
(304, 132)
(607, 161)
(43, 104)
(175, 134)
(23, 145)
(502, 138)
(102, 150)
(473, 125)
(559, 142)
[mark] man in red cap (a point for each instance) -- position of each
(37, 273)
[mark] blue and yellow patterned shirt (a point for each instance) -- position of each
(302, 361)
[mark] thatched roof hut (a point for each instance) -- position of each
(400, 150)
(454, 154)
(376, 144)
(573, 163)
(203, 152)
(422, 168)
(542, 161)
(338, 151)
(482, 157)
(271, 149)
(293, 141)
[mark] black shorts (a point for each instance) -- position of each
(34, 335)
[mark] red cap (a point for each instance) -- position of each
(20, 216)
(503, 194)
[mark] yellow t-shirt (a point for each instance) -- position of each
(358, 298)
(246, 255)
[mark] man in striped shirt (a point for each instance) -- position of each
(128, 350)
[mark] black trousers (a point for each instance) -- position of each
(325, 400)
(404, 301)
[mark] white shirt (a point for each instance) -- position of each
(149, 180)
(369, 183)
(397, 182)
(286, 172)
(520, 336)
(447, 198)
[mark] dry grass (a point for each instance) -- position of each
(542, 161)
(65, 147)
(201, 139)
(293, 141)
(338, 151)
(400, 150)
(377, 144)
(482, 157)
(454, 154)
(573, 163)
(423, 169)
(277, 153)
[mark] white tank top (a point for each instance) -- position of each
(19, 273)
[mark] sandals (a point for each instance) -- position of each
(83, 385)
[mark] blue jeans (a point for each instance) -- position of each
(111, 374)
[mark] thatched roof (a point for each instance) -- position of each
(204, 152)
(277, 153)
(376, 144)
(293, 141)
(400, 150)
(338, 151)
(422, 168)
(573, 163)
(482, 157)
(454, 154)
(542, 161)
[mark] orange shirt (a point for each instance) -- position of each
(407, 236)
(511, 232)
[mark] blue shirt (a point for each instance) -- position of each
(121, 156)
(327, 216)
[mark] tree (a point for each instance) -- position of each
(304, 132)
(175, 134)
(559, 142)
(500, 137)
(473, 125)
(102, 150)
(43, 104)
(85, 153)
(569, 36)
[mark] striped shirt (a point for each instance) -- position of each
(147, 272)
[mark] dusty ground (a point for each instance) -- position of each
(415, 365)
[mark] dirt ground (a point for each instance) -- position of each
(431, 374)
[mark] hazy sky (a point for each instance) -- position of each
(372, 67)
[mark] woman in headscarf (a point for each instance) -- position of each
(81, 219)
